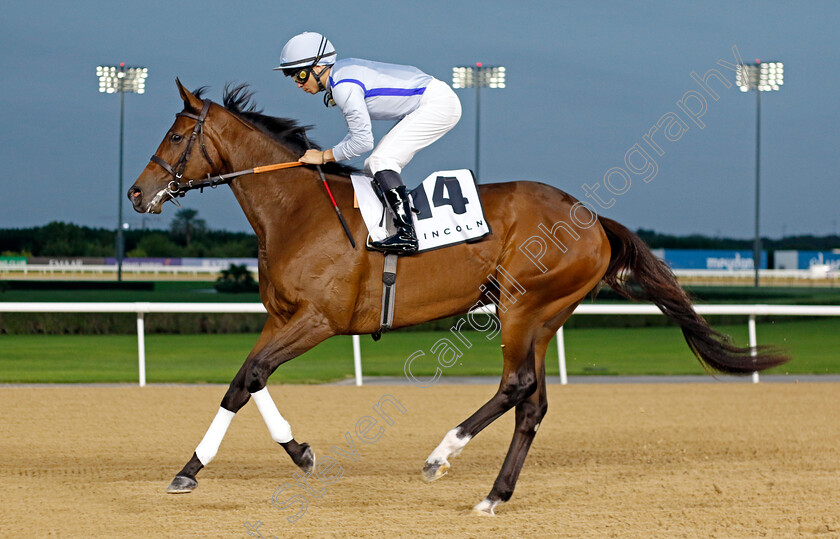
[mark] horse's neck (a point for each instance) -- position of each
(271, 201)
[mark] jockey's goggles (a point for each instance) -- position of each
(301, 75)
(298, 74)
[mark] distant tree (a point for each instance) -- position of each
(157, 245)
(186, 225)
(63, 239)
(235, 280)
(243, 248)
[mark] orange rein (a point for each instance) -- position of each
(276, 166)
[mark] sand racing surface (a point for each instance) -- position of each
(646, 460)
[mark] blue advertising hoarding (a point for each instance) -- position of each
(146, 261)
(701, 259)
(221, 263)
(819, 258)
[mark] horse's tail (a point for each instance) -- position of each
(633, 263)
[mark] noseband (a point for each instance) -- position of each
(176, 187)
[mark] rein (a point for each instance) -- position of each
(179, 187)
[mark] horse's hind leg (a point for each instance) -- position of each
(276, 345)
(529, 414)
(519, 380)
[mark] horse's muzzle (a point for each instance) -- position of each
(135, 196)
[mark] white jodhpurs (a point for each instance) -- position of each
(438, 112)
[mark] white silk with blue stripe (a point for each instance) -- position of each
(365, 91)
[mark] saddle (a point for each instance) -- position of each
(447, 211)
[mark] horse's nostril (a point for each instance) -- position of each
(134, 193)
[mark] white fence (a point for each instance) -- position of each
(141, 308)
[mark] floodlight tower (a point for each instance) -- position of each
(121, 79)
(478, 76)
(761, 77)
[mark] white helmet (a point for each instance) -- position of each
(308, 49)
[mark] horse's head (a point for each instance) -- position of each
(184, 153)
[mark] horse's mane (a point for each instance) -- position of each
(238, 99)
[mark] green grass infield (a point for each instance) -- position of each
(813, 343)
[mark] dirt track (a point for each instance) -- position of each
(710, 460)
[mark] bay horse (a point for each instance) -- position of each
(545, 245)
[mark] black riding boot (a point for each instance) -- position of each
(396, 196)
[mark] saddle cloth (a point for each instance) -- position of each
(450, 211)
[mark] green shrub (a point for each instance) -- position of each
(236, 280)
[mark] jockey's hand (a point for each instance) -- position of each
(316, 157)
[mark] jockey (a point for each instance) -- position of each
(426, 108)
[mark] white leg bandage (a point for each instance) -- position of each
(279, 428)
(209, 445)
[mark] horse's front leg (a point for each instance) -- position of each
(279, 342)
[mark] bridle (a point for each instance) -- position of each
(178, 187)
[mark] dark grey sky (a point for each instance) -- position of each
(586, 82)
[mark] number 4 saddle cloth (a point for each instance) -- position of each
(448, 209)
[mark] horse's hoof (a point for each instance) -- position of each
(181, 485)
(433, 471)
(485, 508)
(307, 460)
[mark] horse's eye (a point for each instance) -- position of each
(175, 138)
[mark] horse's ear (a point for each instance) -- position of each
(191, 102)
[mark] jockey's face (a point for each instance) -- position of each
(310, 86)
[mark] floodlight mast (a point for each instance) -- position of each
(760, 77)
(121, 79)
(478, 76)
